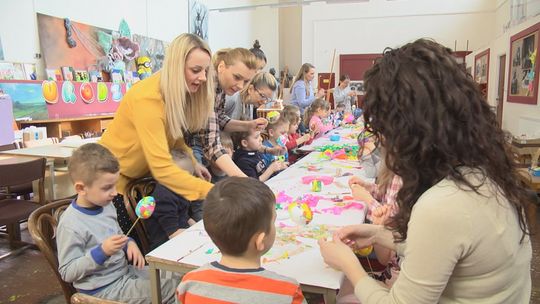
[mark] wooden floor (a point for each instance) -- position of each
(21, 275)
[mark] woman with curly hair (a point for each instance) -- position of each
(460, 228)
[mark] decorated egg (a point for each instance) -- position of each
(50, 91)
(87, 92)
(364, 251)
(145, 207)
(68, 92)
(272, 116)
(300, 213)
(102, 92)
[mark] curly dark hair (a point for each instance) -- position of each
(432, 120)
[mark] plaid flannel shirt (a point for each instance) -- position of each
(209, 138)
(388, 198)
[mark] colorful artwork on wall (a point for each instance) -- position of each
(523, 72)
(198, 19)
(152, 48)
(27, 98)
(1, 50)
(62, 99)
(83, 48)
(69, 44)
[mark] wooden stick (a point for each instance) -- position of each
(330, 79)
(133, 226)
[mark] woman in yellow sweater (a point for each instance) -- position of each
(157, 114)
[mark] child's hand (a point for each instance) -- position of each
(314, 130)
(306, 137)
(114, 243)
(278, 166)
(381, 214)
(134, 254)
(202, 172)
(362, 194)
(358, 181)
(276, 150)
(321, 93)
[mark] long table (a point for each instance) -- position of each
(295, 253)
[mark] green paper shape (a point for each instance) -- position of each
(124, 29)
(105, 41)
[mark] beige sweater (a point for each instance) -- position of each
(461, 248)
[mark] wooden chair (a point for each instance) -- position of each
(18, 190)
(135, 190)
(42, 226)
(12, 209)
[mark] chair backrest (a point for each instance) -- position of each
(42, 227)
(135, 190)
(40, 142)
(24, 172)
(11, 146)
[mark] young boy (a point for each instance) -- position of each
(248, 158)
(173, 213)
(238, 277)
(91, 247)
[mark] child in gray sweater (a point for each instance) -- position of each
(92, 250)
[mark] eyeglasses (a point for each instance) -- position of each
(266, 99)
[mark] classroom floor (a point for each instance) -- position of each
(27, 278)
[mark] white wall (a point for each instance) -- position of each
(160, 19)
(369, 27)
(517, 118)
(290, 38)
(241, 28)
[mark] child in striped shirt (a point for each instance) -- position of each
(239, 215)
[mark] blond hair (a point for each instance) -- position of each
(232, 56)
(273, 126)
(291, 113)
(185, 111)
(304, 69)
(260, 80)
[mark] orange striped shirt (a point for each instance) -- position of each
(217, 284)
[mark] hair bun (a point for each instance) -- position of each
(256, 44)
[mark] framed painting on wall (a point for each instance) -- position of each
(198, 19)
(481, 71)
(523, 72)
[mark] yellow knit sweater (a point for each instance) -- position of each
(137, 137)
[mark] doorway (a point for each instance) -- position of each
(500, 88)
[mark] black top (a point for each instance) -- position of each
(170, 214)
(250, 162)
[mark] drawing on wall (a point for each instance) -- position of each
(357, 85)
(152, 48)
(1, 50)
(198, 19)
(523, 72)
(28, 100)
(481, 67)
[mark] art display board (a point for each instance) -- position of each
(295, 252)
(39, 100)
